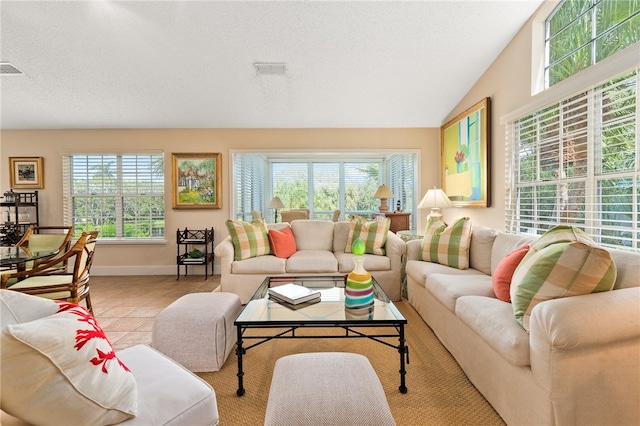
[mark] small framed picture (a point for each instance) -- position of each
(26, 172)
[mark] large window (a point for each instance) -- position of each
(580, 33)
(323, 184)
(576, 161)
(121, 195)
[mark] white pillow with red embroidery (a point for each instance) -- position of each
(62, 369)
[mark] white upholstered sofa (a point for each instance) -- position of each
(580, 363)
(320, 248)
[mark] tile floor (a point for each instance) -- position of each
(126, 306)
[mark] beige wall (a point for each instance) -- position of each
(160, 259)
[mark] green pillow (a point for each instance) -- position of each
(447, 245)
(564, 262)
(373, 234)
(250, 239)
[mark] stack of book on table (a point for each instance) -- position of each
(294, 296)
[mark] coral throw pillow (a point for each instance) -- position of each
(250, 239)
(283, 244)
(374, 234)
(564, 262)
(61, 369)
(447, 245)
(504, 272)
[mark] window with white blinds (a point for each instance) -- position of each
(576, 162)
(346, 183)
(120, 195)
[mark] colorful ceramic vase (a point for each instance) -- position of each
(358, 293)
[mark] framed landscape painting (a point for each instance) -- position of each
(26, 173)
(464, 150)
(196, 180)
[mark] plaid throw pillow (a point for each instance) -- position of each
(564, 261)
(374, 234)
(447, 245)
(250, 239)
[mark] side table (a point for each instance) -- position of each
(407, 235)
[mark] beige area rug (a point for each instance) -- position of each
(439, 392)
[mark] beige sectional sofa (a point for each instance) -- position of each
(580, 363)
(320, 248)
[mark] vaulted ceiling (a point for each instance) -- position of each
(190, 64)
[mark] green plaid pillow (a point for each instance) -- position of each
(374, 234)
(564, 262)
(447, 245)
(250, 239)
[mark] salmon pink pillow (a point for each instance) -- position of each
(283, 244)
(504, 271)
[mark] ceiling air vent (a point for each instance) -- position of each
(7, 69)
(270, 68)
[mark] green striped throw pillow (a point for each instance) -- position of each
(250, 239)
(373, 234)
(447, 245)
(564, 262)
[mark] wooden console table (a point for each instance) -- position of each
(400, 221)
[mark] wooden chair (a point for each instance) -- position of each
(70, 286)
(38, 238)
(255, 214)
(336, 215)
(291, 215)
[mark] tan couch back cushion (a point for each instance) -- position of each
(313, 234)
(340, 235)
(482, 239)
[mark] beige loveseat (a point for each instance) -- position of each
(320, 248)
(580, 363)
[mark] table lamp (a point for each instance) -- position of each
(383, 193)
(435, 199)
(276, 203)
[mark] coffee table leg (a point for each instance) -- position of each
(240, 351)
(404, 351)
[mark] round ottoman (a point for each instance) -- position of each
(197, 330)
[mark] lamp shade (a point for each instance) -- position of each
(435, 198)
(276, 203)
(383, 192)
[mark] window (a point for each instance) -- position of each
(121, 195)
(576, 161)
(580, 33)
(345, 182)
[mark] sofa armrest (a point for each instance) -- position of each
(585, 348)
(394, 248)
(225, 252)
(413, 248)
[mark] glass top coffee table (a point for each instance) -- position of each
(382, 321)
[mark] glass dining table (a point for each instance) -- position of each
(19, 256)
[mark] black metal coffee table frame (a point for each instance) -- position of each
(351, 328)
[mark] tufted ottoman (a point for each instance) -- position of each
(197, 330)
(326, 388)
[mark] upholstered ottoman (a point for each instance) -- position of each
(326, 388)
(197, 330)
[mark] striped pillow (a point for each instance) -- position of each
(563, 262)
(447, 245)
(250, 239)
(374, 234)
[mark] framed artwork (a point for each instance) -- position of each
(26, 173)
(196, 180)
(464, 151)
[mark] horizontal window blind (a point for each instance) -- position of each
(576, 161)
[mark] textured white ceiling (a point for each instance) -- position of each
(189, 64)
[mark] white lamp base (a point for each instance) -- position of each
(435, 214)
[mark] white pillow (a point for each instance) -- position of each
(16, 307)
(61, 369)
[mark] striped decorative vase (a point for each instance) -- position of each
(358, 293)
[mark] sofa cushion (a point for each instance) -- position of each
(64, 354)
(312, 261)
(505, 244)
(447, 288)
(340, 235)
(259, 265)
(420, 270)
(447, 245)
(249, 239)
(313, 234)
(482, 239)
(374, 234)
(563, 262)
(504, 273)
(492, 320)
(283, 244)
(372, 262)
